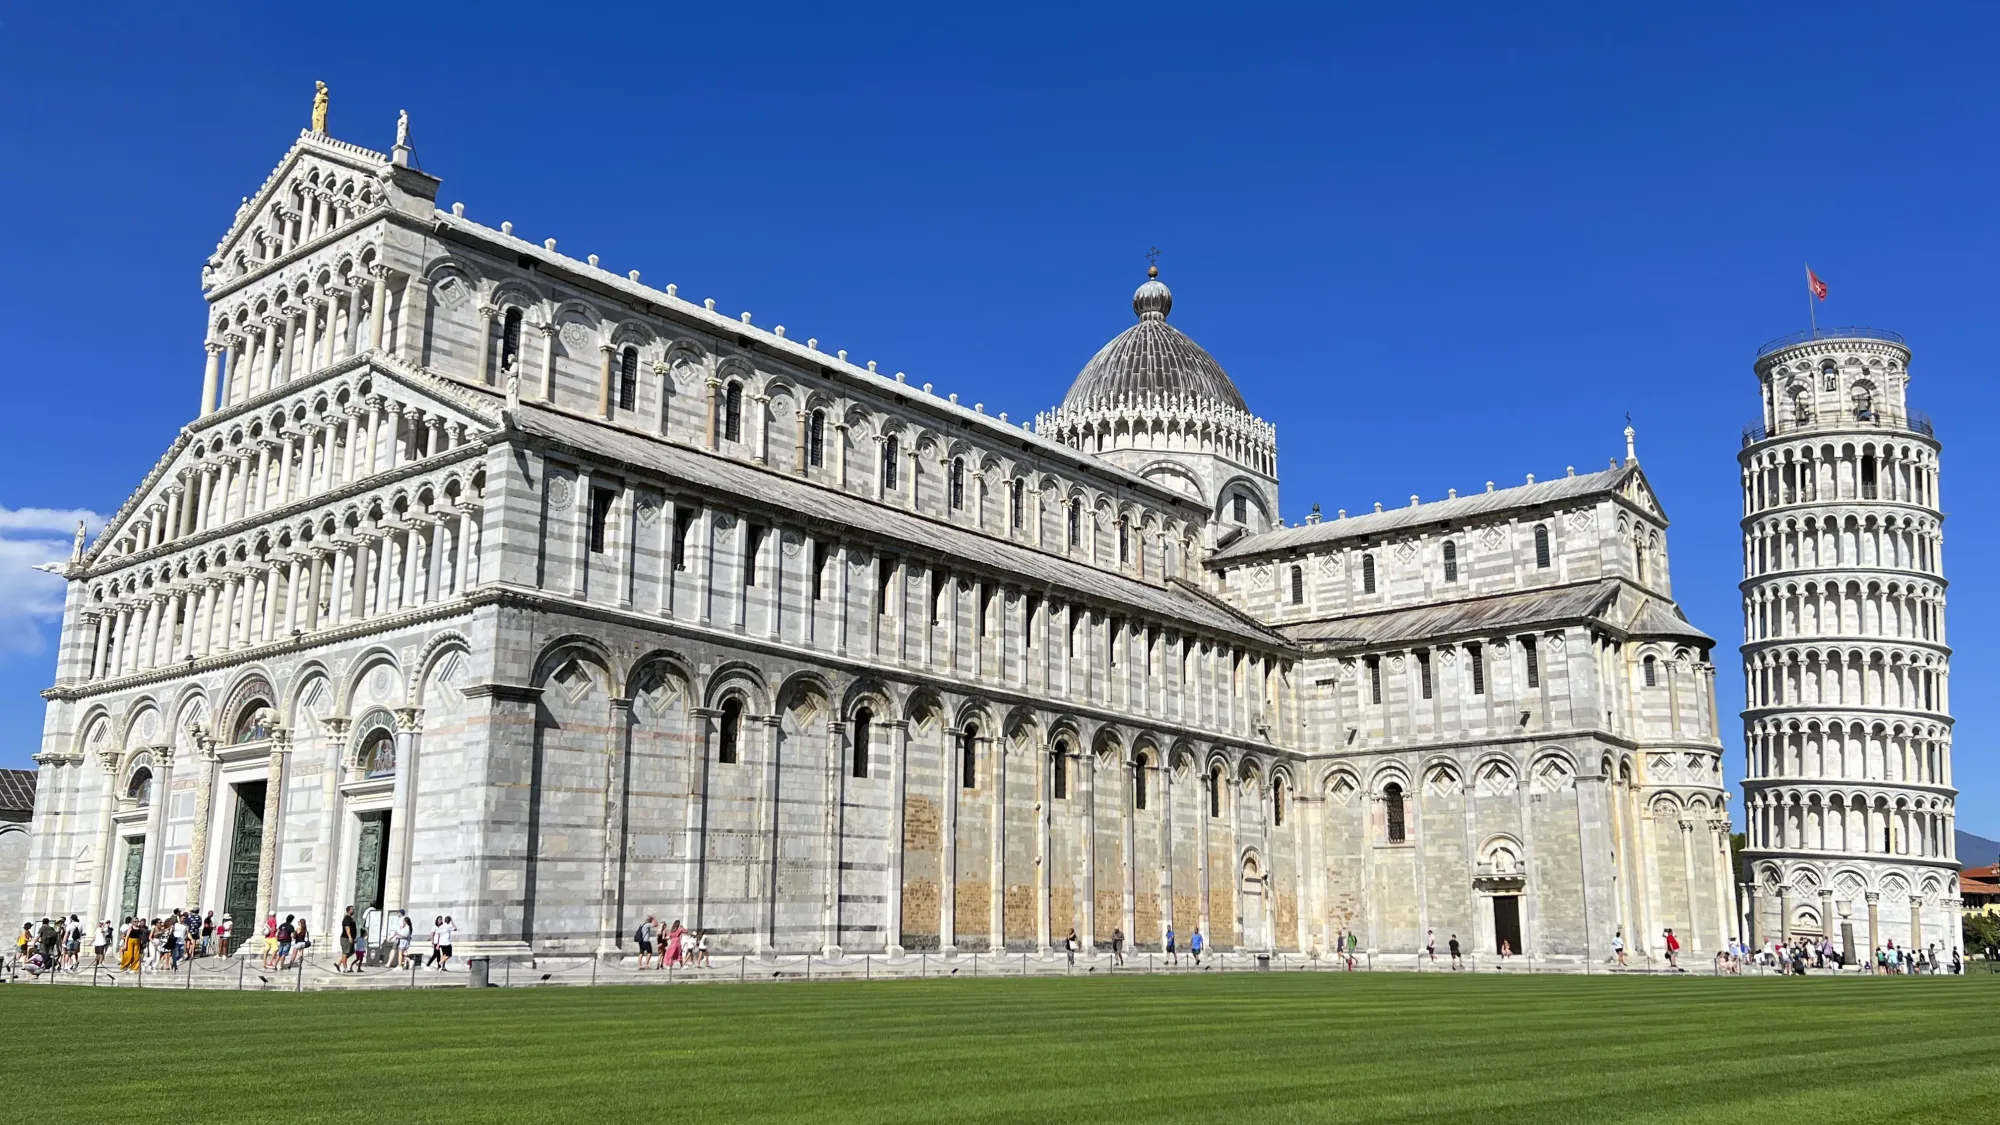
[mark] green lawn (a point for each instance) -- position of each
(1212, 1049)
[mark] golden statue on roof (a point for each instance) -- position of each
(319, 108)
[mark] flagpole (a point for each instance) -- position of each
(1812, 314)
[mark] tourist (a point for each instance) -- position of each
(436, 959)
(101, 943)
(208, 934)
(1431, 945)
(406, 933)
(373, 938)
(130, 953)
(1457, 959)
(177, 939)
(1506, 951)
(1618, 946)
(1673, 950)
(1195, 945)
(1069, 947)
(643, 937)
(701, 949)
(1173, 958)
(270, 941)
(445, 934)
(222, 931)
(22, 941)
(350, 929)
(1117, 946)
(670, 952)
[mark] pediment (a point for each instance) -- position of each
(1640, 493)
(315, 162)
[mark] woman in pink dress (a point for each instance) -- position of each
(670, 953)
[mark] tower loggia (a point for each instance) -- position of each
(1847, 724)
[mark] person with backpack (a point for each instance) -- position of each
(643, 938)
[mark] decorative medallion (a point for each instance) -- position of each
(1396, 663)
(453, 292)
(1492, 537)
(559, 493)
(724, 521)
(1262, 576)
(1581, 519)
(575, 335)
(793, 543)
(1556, 642)
(649, 510)
(378, 684)
(684, 369)
(1329, 564)
(1406, 551)
(149, 726)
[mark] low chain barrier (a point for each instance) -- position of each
(248, 973)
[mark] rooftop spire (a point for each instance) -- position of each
(1631, 451)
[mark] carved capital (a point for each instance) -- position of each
(410, 720)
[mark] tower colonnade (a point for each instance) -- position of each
(1847, 722)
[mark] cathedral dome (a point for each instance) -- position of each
(1152, 363)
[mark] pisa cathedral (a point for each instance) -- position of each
(1848, 801)
(493, 583)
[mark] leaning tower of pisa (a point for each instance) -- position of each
(1847, 723)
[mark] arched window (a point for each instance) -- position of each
(1075, 522)
(1215, 793)
(1059, 773)
(957, 483)
(1639, 560)
(1652, 672)
(732, 412)
(1368, 574)
(816, 439)
(1015, 501)
(378, 755)
(968, 757)
(1392, 811)
(1124, 542)
(510, 340)
(731, 725)
(890, 449)
(1450, 561)
(1139, 765)
(139, 787)
(1830, 375)
(628, 378)
(860, 738)
(1298, 585)
(1278, 804)
(1541, 547)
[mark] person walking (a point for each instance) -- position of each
(406, 935)
(101, 943)
(350, 930)
(643, 938)
(1173, 957)
(436, 958)
(1618, 947)
(447, 933)
(1431, 945)
(1457, 958)
(1195, 945)
(1117, 946)
(1673, 950)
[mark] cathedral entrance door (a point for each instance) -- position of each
(1507, 922)
(370, 861)
(246, 849)
(135, 867)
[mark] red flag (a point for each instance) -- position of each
(1814, 284)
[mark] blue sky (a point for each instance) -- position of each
(1436, 245)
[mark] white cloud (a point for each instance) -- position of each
(31, 600)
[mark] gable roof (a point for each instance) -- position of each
(1625, 482)
(17, 791)
(1609, 600)
(908, 530)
